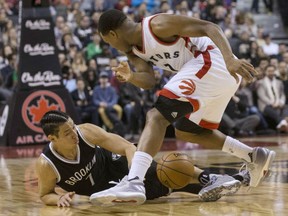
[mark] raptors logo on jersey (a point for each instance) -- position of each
(188, 87)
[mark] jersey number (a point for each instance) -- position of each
(91, 179)
(170, 67)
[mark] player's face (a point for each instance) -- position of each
(115, 40)
(68, 134)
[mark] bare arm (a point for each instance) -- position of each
(109, 141)
(143, 77)
(46, 182)
(167, 27)
(191, 27)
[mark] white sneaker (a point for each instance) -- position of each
(126, 192)
(218, 186)
(262, 159)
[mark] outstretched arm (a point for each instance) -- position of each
(109, 141)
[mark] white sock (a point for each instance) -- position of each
(238, 149)
(140, 164)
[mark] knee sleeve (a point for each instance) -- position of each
(172, 109)
(184, 124)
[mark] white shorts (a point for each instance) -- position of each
(205, 82)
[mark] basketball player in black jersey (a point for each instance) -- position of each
(79, 159)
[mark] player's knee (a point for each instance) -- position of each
(154, 116)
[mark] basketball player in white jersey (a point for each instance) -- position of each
(79, 159)
(207, 76)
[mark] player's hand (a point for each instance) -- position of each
(122, 72)
(65, 200)
(241, 67)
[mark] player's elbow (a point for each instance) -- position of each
(43, 199)
(212, 29)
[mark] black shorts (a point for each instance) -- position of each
(117, 168)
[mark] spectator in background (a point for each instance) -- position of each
(83, 103)
(94, 21)
(244, 45)
(94, 48)
(272, 99)
(79, 64)
(91, 78)
(245, 91)
(270, 48)
(131, 101)
(105, 99)
(282, 50)
(164, 7)
(285, 57)
(237, 121)
(59, 24)
(68, 30)
(84, 31)
(69, 78)
(60, 7)
(67, 42)
(141, 12)
(283, 76)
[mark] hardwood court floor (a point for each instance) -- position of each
(18, 186)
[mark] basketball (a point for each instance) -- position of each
(175, 170)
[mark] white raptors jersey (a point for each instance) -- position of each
(168, 56)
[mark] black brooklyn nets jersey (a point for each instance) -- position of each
(85, 175)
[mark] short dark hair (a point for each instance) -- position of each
(110, 20)
(52, 120)
(270, 65)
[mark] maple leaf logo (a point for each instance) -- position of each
(42, 107)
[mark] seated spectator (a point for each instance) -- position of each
(83, 103)
(236, 120)
(84, 31)
(271, 99)
(285, 57)
(79, 64)
(269, 47)
(245, 91)
(91, 78)
(283, 75)
(131, 101)
(69, 79)
(94, 48)
(105, 99)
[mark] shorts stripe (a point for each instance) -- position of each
(207, 61)
(166, 93)
(208, 125)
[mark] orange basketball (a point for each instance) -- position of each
(175, 170)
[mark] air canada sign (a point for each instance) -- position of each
(33, 109)
(37, 104)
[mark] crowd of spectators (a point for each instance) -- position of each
(86, 61)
